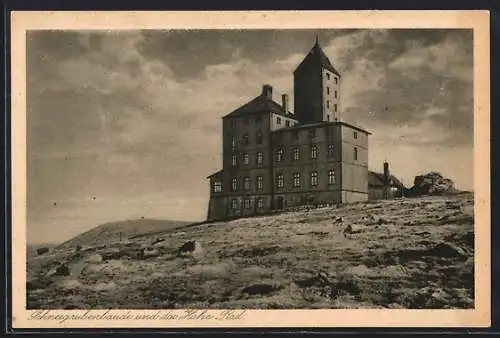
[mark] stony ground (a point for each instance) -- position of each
(404, 253)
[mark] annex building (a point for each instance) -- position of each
(274, 159)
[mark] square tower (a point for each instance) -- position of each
(316, 88)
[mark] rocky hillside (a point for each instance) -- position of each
(432, 183)
(402, 253)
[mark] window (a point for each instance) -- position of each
(312, 133)
(233, 160)
(314, 152)
(328, 117)
(314, 178)
(355, 154)
(279, 155)
(296, 180)
(246, 183)
(246, 140)
(245, 120)
(246, 159)
(234, 203)
(328, 90)
(260, 182)
(260, 158)
(247, 203)
(335, 95)
(278, 121)
(296, 154)
(355, 134)
(260, 203)
(327, 103)
(234, 184)
(280, 181)
(296, 135)
(331, 177)
(217, 186)
(287, 123)
(233, 142)
(328, 76)
(331, 150)
(258, 138)
(336, 80)
(335, 107)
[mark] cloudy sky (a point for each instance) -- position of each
(127, 124)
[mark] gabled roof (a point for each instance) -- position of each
(259, 104)
(217, 173)
(318, 56)
(377, 179)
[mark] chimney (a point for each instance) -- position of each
(267, 91)
(386, 172)
(284, 102)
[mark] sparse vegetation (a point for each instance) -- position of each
(403, 253)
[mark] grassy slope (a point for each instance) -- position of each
(110, 232)
(292, 260)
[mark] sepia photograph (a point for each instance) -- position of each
(250, 169)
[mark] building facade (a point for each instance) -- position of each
(273, 159)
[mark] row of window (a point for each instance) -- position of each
(328, 92)
(280, 181)
(280, 155)
(246, 140)
(335, 106)
(258, 120)
(247, 203)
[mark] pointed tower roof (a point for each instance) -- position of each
(317, 55)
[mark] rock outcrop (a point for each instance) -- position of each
(432, 183)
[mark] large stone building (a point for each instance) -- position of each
(274, 159)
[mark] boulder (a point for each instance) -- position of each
(41, 251)
(61, 270)
(94, 259)
(191, 248)
(447, 250)
(432, 183)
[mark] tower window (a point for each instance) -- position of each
(278, 121)
(314, 152)
(258, 138)
(328, 90)
(331, 177)
(233, 142)
(327, 103)
(355, 154)
(296, 180)
(287, 123)
(328, 76)
(246, 159)
(331, 150)
(260, 158)
(217, 186)
(246, 140)
(260, 182)
(314, 178)
(234, 184)
(296, 154)
(336, 80)
(234, 203)
(335, 107)
(279, 155)
(246, 183)
(280, 181)
(355, 134)
(335, 94)
(233, 160)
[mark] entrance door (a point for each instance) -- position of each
(279, 202)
